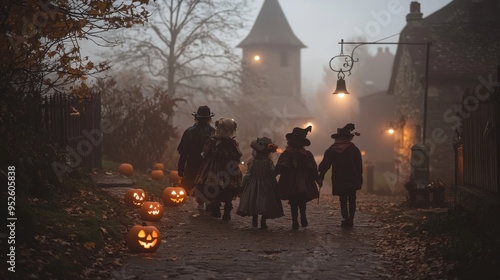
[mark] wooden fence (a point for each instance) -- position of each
(73, 124)
(478, 154)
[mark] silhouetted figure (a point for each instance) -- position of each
(191, 146)
(299, 175)
(260, 194)
(219, 177)
(347, 171)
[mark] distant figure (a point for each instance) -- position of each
(260, 194)
(190, 148)
(299, 174)
(347, 171)
(219, 177)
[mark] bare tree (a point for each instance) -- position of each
(188, 44)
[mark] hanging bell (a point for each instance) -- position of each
(341, 89)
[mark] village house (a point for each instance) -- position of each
(464, 53)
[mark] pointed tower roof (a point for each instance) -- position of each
(271, 28)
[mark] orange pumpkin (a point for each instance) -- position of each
(174, 177)
(173, 196)
(157, 174)
(143, 238)
(158, 166)
(151, 211)
(135, 197)
(126, 169)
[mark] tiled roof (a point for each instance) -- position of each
(465, 40)
(271, 28)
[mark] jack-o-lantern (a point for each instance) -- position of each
(126, 169)
(151, 211)
(157, 175)
(135, 197)
(174, 177)
(143, 238)
(173, 196)
(158, 166)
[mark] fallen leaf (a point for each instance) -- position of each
(89, 245)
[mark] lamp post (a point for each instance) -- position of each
(349, 61)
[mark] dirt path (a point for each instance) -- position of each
(197, 246)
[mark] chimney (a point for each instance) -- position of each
(415, 13)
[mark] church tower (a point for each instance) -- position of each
(271, 55)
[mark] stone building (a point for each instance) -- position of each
(271, 76)
(464, 53)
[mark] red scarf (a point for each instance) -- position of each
(341, 144)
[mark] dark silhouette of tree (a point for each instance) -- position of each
(187, 44)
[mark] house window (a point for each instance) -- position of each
(284, 59)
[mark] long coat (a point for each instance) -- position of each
(347, 170)
(260, 194)
(298, 173)
(219, 177)
(190, 149)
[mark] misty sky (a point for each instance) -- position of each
(321, 24)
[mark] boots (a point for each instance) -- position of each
(348, 215)
(263, 224)
(228, 206)
(255, 219)
(352, 211)
(215, 209)
(295, 214)
(343, 210)
(303, 218)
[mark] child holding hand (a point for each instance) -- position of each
(260, 194)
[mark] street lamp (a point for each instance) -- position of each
(349, 60)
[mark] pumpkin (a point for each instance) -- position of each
(173, 196)
(143, 238)
(174, 177)
(134, 197)
(158, 166)
(157, 175)
(151, 211)
(126, 169)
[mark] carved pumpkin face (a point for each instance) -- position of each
(174, 196)
(151, 211)
(134, 197)
(157, 174)
(143, 238)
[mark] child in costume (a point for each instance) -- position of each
(219, 177)
(298, 174)
(347, 171)
(260, 194)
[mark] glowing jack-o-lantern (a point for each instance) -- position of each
(151, 211)
(173, 196)
(143, 238)
(126, 169)
(157, 174)
(135, 197)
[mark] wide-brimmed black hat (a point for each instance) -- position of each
(300, 134)
(203, 112)
(345, 132)
(263, 144)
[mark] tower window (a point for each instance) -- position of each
(284, 59)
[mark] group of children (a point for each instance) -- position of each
(209, 168)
